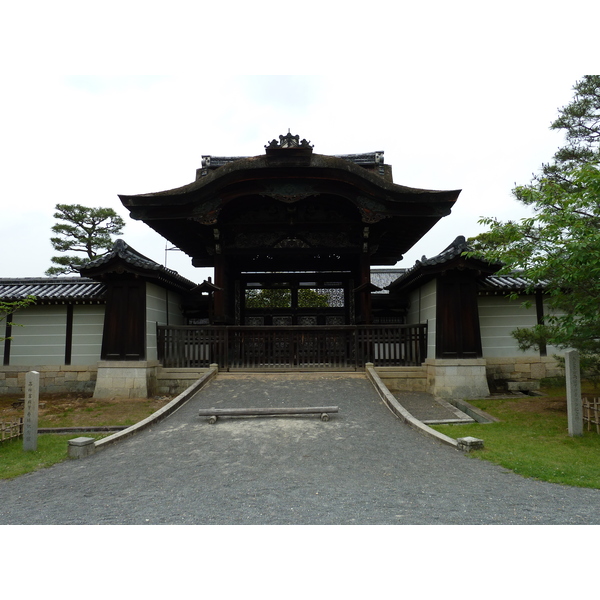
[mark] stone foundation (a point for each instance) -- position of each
(126, 379)
(61, 379)
(404, 379)
(457, 378)
(515, 373)
(171, 381)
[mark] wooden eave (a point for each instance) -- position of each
(398, 215)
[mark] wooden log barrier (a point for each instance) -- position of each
(214, 413)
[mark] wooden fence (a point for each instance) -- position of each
(339, 347)
(591, 413)
(11, 430)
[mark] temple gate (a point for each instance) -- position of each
(292, 235)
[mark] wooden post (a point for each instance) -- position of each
(574, 408)
(219, 301)
(32, 398)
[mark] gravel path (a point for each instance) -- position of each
(362, 467)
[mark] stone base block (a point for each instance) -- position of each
(466, 444)
(81, 447)
(523, 386)
(457, 378)
(126, 379)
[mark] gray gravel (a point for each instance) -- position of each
(362, 467)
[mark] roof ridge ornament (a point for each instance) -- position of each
(288, 141)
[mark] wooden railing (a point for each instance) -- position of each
(334, 347)
(591, 413)
(11, 430)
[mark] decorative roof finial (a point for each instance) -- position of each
(288, 141)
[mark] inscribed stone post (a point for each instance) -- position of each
(574, 407)
(30, 422)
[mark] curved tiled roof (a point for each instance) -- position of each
(364, 159)
(454, 250)
(491, 284)
(51, 290)
(136, 260)
(123, 250)
(397, 216)
(383, 277)
(508, 283)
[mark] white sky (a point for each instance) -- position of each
(457, 98)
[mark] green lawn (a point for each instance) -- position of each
(51, 449)
(532, 440)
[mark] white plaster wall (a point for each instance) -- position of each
(162, 308)
(88, 325)
(552, 350)
(41, 339)
(498, 317)
(422, 309)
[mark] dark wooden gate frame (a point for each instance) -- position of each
(300, 347)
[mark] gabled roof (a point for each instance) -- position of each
(290, 173)
(124, 259)
(489, 284)
(452, 256)
(53, 290)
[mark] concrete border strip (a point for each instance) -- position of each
(402, 413)
(160, 414)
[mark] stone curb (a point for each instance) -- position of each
(160, 414)
(403, 414)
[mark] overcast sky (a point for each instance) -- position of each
(457, 99)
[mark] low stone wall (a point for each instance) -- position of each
(141, 379)
(53, 379)
(404, 379)
(117, 378)
(520, 369)
(171, 381)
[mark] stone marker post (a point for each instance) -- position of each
(32, 398)
(574, 405)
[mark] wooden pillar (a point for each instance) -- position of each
(364, 297)
(539, 308)
(219, 295)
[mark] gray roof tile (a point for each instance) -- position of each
(53, 289)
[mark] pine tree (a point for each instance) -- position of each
(85, 230)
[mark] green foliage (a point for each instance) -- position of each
(282, 298)
(580, 121)
(559, 246)
(308, 298)
(85, 230)
(531, 338)
(271, 298)
(9, 308)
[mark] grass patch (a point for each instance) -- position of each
(51, 449)
(532, 439)
(66, 411)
